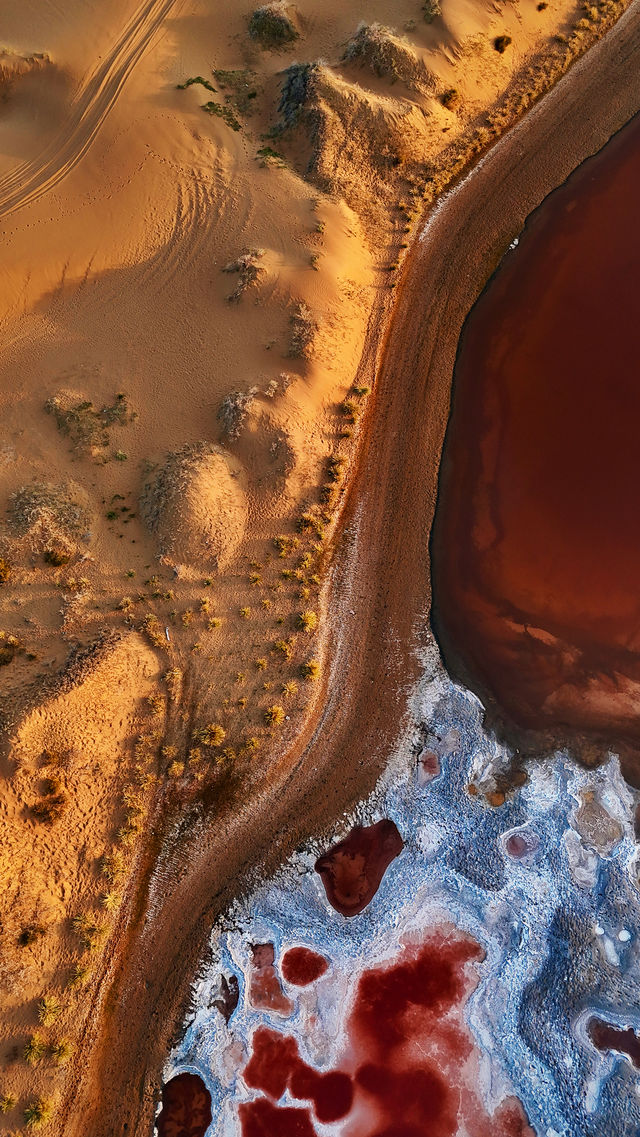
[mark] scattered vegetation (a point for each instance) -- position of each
(233, 411)
(225, 113)
(310, 670)
(5, 570)
(284, 648)
(272, 27)
(86, 426)
(289, 688)
(91, 934)
(304, 327)
(79, 976)
(388, 56)
(197, 79)
(240, 87)
(248, 268)
(7, 1103)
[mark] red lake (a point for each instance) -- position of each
(536, 544)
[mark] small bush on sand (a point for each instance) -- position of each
(90, 934)
(37, 1113)
(289, 688)
(284, 648)
(271, 26)
(176, 770)
(431, 9)
(49, 1010)
(57, 554)
(233, 411)
(501, 43)
(307, 621)
(248, 268)
(304, 327)
(310, 670)
(450, 99)
(60, 1051)
(7, 1103)
(274, 716)
(112, 866)
(5, 570)
(80, 975)
(34, 1050)
(111, 900)
(213, 734)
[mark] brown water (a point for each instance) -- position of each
(536, 545)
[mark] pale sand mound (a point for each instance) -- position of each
(197, 506)
(389, 57)
(354, 140)
(45, 519)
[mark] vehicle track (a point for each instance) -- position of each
(89, 109)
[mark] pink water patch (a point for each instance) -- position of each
(409, 1068)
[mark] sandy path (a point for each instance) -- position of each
(88, 111)
(380, 588)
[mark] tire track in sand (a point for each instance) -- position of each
(89, 108)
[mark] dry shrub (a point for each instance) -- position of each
(304, 328)
(272, 26)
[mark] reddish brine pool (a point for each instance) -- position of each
(536, 545)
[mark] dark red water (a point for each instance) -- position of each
(302, 966)
(186, 1107)
(352, 870)
(608, 1037)
(536, 546)
(265, 988)
(407, 1070)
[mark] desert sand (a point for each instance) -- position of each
(206, 508)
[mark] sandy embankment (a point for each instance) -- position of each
(380, 586)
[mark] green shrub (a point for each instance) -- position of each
(37, 1113)
(271, 27)
(34, 1050)
(49, 1010)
